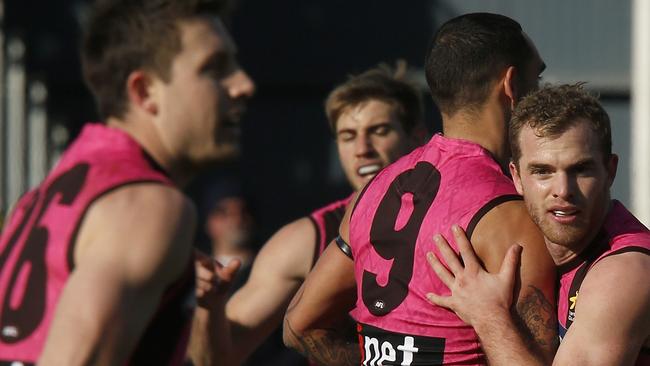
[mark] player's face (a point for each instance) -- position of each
(565, 182)
(369, 137)
(230, 222)
(202, 103)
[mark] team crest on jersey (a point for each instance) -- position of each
(572, 307)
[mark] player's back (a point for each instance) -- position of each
(37, 246)
(445, 182)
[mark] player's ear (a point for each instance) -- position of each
(612, 166)
(510, 86)
(514, 172)
(140, 88)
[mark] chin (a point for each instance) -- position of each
(564, 236)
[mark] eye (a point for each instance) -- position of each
(539, 171)
(381, 130)
(218, 66)
(345, 136)
(584, 169)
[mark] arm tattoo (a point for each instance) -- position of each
(537, 320)
(327, 346)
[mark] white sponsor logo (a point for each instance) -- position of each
(376, 355)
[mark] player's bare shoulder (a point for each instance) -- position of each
(151, 220)
(290, 250)
(505, 224)
(618, 286)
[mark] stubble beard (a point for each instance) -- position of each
(556, 233)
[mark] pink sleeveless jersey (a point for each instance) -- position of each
(37, 246)
(620, 233)
(445, 182)
(327, 220)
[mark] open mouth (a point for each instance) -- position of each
(564, 213)
(369, 169)
(566, 216)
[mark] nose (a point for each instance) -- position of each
(363, 145)
(562, 186)
(240, 85)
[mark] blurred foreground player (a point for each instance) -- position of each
(95, 263)
(563, 165)
(478, 67)
(376, 118)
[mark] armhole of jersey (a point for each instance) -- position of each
(486, 208)
(631, 248)
(73, 238)
(345, 247)
(317, 242)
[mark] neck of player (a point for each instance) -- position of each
(485, 126)
(180, 171)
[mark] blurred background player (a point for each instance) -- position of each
(564, 167)
(229, 225)
(95, 262)
(376, 117)
(478, 66)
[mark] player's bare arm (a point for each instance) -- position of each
(612, 321)
(257, 308)
(316, 322)
(534, 299)
(483, 299)
(534, 310)
(132, 244)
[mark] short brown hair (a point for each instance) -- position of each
(552, 110)
(125, 35)
(381, 83)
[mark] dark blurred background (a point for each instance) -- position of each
(295, 50)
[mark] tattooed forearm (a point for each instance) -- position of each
(538, 321)
(325, 346)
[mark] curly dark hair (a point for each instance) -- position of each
(552, 110)
(125, 35)
(381, 83)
